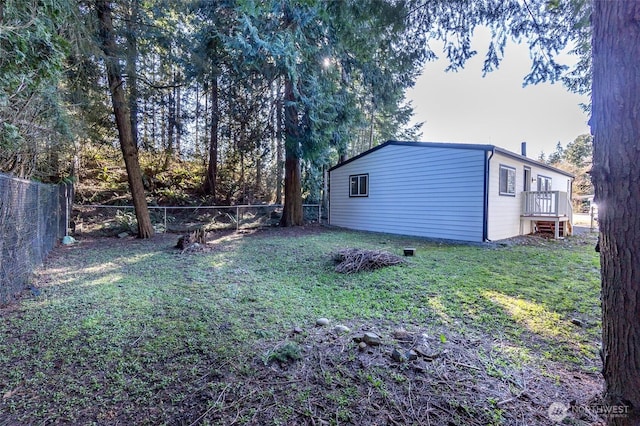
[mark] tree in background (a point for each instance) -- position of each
(557, 155)
(36, 39)
(579, 152)
(576, 158)
(123, 117)
(341, 63)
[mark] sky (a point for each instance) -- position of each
(465, 107)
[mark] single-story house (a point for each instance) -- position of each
(467, 192)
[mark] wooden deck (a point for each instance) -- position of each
(552, 208)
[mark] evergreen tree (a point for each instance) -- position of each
(122, 117)
(557, 155)
(36, 39)
(579, 151)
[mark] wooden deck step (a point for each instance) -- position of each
(549, 227)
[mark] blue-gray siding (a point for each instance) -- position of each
(423, 191)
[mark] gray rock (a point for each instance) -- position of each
(123, 235)
(423, 352)
(341, 329)
(322, 322)
(297, 330)
(400, 333)
(362, 346)
(411, 355)
(371, 339)
(578, 322)
(398, 356)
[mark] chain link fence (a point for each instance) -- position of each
(109, 220)
(33, 217)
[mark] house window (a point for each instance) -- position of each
(358, 185)
(544, 183)
(507, 181)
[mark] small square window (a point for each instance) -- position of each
(507, 181)
(359, 185)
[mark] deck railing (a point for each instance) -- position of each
(545, 203)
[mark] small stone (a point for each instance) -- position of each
(371, 339)
(362, 346)
(398, 356)
(123, 235)
(297, 330)
(411, 355)
(578, 322)
(423, 352)
(322, 322)
(68, 240)
(341, 329)
(400, 333)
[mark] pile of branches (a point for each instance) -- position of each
(352, 260)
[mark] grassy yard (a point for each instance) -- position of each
(133, 332)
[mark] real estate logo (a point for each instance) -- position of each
(558, 411)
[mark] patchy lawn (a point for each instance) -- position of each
(133, 332)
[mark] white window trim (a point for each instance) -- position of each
(509, 169)
(544, 179)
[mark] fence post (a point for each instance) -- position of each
(319, 212)
(237, 218)
(39, 238)
(67, 210)
(165, 220)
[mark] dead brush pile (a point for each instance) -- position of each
(353, 260)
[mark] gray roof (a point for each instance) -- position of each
(481, 147)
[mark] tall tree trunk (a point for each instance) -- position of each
(292, 211)
(257, 191)
(371, 124)
(197, 123)
(171, 126)
(178, 119)
(132, 60)
(212, 167)
(615, 123)
(279, 144)
(123, 122)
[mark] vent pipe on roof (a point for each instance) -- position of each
(523, 149)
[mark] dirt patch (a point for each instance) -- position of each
(580, 238)
(454, 379)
